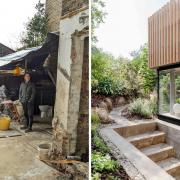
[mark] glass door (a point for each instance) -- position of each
(169, 93)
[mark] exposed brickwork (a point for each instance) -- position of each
(72, 5)
(5, 50)
(53, 12)
(83, 123)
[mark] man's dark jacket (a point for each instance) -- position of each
(27, 93)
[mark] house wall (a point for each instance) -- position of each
(70, 65)
(69, 6)
(73, 62)
(82, 141)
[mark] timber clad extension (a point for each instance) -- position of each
(164, 35)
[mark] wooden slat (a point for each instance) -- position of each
(163, 40)
(174, 31)
(153, 42)
(166, 32)
(149, 42)
(167, 24)
(178, 9)
(171, 33)
(177, 33)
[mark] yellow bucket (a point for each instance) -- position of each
(4, 123)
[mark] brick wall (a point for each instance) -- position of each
(72, 5)
(53, 11)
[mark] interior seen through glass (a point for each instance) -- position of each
(169, 93)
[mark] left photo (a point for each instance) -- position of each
(44, 90)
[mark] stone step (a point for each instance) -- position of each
(171, 165)
(135, 129)
(147, 139)
(177, 177)
(159, 152)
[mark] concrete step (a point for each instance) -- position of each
(177, 177)
(159, 152)
(135, 129)
(171, 165)
(147, 139)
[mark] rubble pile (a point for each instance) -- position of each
(6, 105)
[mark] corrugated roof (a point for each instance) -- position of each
(17, 55)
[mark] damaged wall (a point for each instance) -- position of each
(69, 73)
(82, 145)
(69, 6)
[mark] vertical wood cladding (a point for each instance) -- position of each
(164, 35)
(69, 6)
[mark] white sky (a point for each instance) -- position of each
(126, 25)
(13, 16)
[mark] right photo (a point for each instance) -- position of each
(135, 90)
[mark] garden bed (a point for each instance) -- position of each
(104, 165)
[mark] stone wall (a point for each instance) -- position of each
(69, 6)
(53, 12)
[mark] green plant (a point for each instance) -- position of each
(178, 100)
(119, 76)
(94, 129)
(102, 163)
(143, 107)
(98, 16)
(95, 118)
(96, 176)
(100, 145)
(36, 29)
(147, 75)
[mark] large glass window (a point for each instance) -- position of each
(169, 93)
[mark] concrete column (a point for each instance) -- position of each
(172, 91)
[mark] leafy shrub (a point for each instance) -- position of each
(143, 107)
(178, 100)
(94, 130)
(96, 176)
(102, 163)
(95, 118)
(100, 145)
(120, 76)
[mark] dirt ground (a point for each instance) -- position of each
(18, 155)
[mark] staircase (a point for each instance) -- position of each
(153, 144)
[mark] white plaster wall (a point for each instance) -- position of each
(62, 98)
(67, 28)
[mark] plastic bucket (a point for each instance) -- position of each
(43, 150)
(4, 123)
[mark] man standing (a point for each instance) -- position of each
(26, 97)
